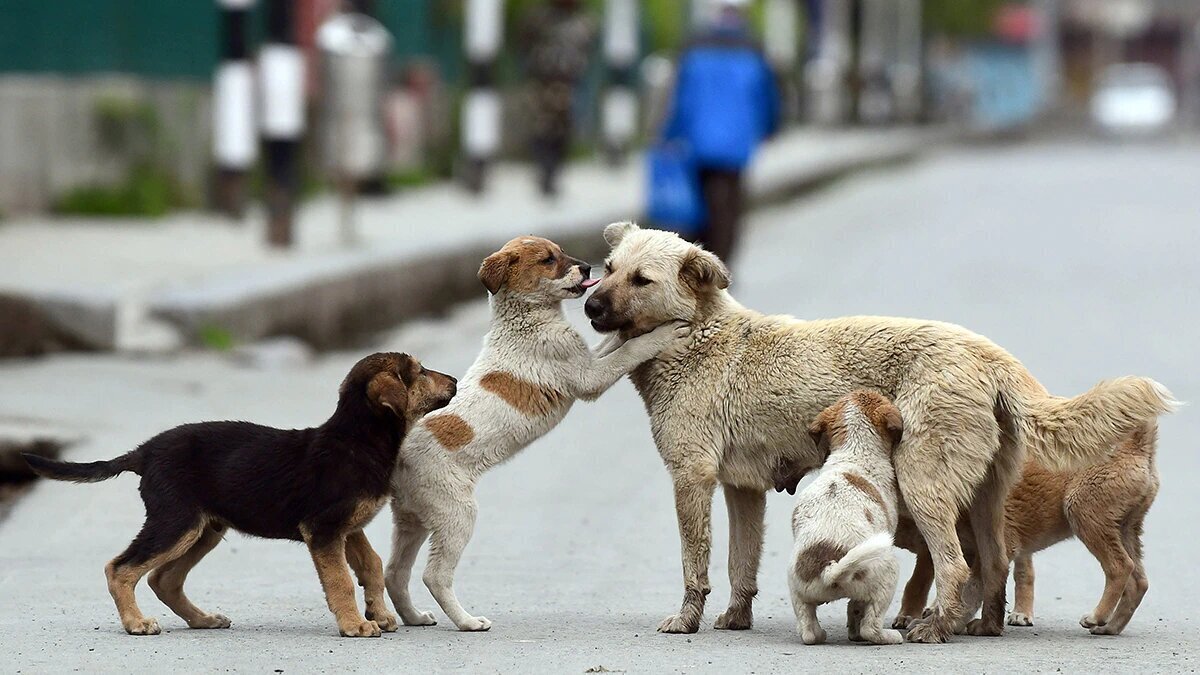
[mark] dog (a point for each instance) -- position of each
(532, 368)
(844, 521)
(1104, 505)
(733, 400)
(318, 485)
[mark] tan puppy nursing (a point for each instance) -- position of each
(733, 400)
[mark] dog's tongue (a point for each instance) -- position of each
(588, 283)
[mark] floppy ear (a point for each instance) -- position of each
(614, 233)
(494, 271)
(388, 391)
(894, 424)
(702, 270)
(817, 429)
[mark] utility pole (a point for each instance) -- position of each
(281, 84)
(234, 137)
(484, 33)
(621, 50)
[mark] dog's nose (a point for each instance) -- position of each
(585, 269)
(594, 307)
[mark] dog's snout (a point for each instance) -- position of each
(595, 307)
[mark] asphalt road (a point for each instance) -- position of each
(1080, 259)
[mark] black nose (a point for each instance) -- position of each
(585, 269)
(594, 307)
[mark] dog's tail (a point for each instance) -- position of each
(84, 472)
(1070, 433)
(876, 548)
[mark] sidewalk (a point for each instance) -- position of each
(137, 285)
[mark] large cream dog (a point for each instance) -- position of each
(732, 401)
(532, 367)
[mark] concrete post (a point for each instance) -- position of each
(234, 137)
(281, 85)
(484, 34)
(621, 51)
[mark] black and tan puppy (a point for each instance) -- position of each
(319, 486)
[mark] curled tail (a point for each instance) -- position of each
(84, 472)
(876, 548)
(1070, 433)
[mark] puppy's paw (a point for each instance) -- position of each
(475, 624)
(1106, 629)
(211, 621)
(1019, 619)
(1090, 621)
(888, 637)
(360, 629)
(981, 628)
(902, 621)
(682, 329)
(815, 636)
(387, 621)
(734, 619)
(421, 619)
(146, 626)
(928, 632)
(677, 624)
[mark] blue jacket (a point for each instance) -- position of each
(725, 99)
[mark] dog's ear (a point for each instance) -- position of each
(894, 424)
(387, 390)
(817, 429)
(704, 271)
(614, 233)
(494, 271)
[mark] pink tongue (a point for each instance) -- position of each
(588, 283)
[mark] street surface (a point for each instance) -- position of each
(1079, 258)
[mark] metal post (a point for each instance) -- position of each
(484, 33)
(234, 139)
(281, 84)
(621, 49)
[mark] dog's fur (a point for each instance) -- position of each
(1103, 504)
(319, 486)
(844, 520)
(532, 368)
(733, 400)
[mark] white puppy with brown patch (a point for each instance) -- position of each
(532, 367)
(844, 521)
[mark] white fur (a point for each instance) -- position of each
(434, 487)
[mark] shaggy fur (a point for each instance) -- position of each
(1104, 505)
(532, 368)
(319, 486)
(844, 520)
(731, 403)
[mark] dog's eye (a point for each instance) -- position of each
(548, 260)
(639, 280)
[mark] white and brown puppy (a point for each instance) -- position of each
(532, 368)
(844, 521)
(731, 401)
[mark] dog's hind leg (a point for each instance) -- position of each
(806, 623)
(368, 567)
(935, 517)
(746, 511)
(854, 616)
(407, 538)
(882, 585)
(451, 532)
(166, 535)
(1022, 614)
(1138, 584)
(167, 581)
(916, 591)
(987, 521)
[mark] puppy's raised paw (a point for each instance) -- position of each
(1019, 619)
(147, 626)
(364, 629)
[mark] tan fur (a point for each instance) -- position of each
(451, 430)
(368, 568)
(1103, 505)
(334, 573)
(732, 402)
(528, 398)
(167, 582)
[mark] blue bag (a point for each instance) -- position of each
(673, 189)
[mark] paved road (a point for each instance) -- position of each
(1080, 259)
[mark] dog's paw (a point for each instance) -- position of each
(421, 619)
(734, 619)
(211, 621)
(887, 637)
(146, 626)
(1090, 621)
(902, 622)
(682, 330)
(1106, 629)
(677, 624)
(927, 632)
(815, 636)
(363, 629)
(387, 621)
(475, 624)
(1019, 619)
(981, 628)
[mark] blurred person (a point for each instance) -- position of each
(557, 40)
(725, 103)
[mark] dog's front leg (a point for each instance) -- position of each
(693, 506)
(329, 556)
(450, 534)
(614, 359)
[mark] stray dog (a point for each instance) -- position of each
(844, 521)
(1104, 505)
(319, 486)
(533, 366)
(733, 399)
